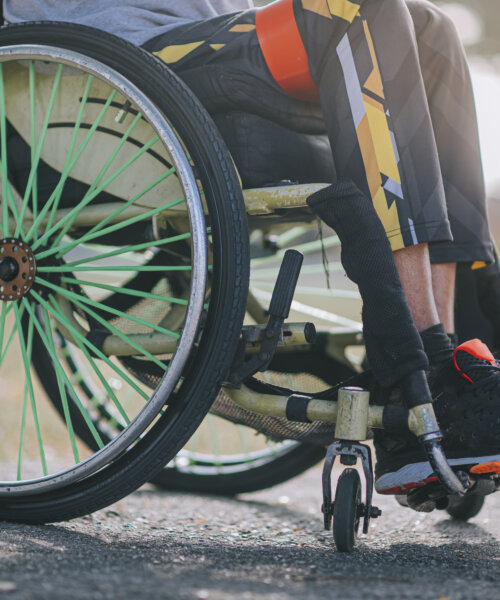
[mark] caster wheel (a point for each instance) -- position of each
(463, 509)
(347, 510)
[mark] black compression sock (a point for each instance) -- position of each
(453, 339)
(437, 344)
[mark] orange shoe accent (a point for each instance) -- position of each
(489, 467)
(477, 349)
(284, 50)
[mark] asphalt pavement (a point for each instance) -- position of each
(267, 545)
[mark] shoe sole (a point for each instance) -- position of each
(420, 473)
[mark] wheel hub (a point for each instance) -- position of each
(17, 269)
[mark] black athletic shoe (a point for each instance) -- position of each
(467, 405)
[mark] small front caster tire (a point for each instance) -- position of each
(463, 509)
(347, 510)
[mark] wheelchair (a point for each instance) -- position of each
(134, 280)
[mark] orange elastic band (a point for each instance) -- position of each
(284, 51)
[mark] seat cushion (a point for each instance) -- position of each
(266, 153)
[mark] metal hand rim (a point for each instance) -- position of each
(199, 267)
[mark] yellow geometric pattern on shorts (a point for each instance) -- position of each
(377, 149)
(171, 54)
(320, 7)
(176, 52)
(344, 9)
(376, 143)
(378, 156)
(478, 264)
(242, 28)
(384, 150)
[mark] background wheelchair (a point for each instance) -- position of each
(127, 252)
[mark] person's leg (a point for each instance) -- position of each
(443, 289)
(450, 100)
(414, 271)
(451, 105)
(429, 289)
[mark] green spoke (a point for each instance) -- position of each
(38, 153)
(61, 317)
(71, 149)
(126, 291)
(7, 196)
(101, 174)
(10, 338)
(151, 268)
(100, 306)
(58, 366)
(102, 379)
(64, 248)
(3, 317)
(65, 223)
(118, 211)
(51, 349)
(3, 149)
(22, 433)
(53, 200)
(113, 155)
(55, 196)
(84, 303)
(34, 195)
(127, 249)
(26, 349)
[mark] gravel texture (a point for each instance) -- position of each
(268, 545)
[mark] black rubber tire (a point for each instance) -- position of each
(463, 509)
(346, 510)
(229, 282)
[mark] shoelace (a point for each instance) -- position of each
(489, 382)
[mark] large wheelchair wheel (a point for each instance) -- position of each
(224, 457)
(114, 185)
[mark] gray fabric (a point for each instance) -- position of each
(134, 20)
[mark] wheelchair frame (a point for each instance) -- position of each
(352, 414)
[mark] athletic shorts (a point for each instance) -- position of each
(387, 79)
